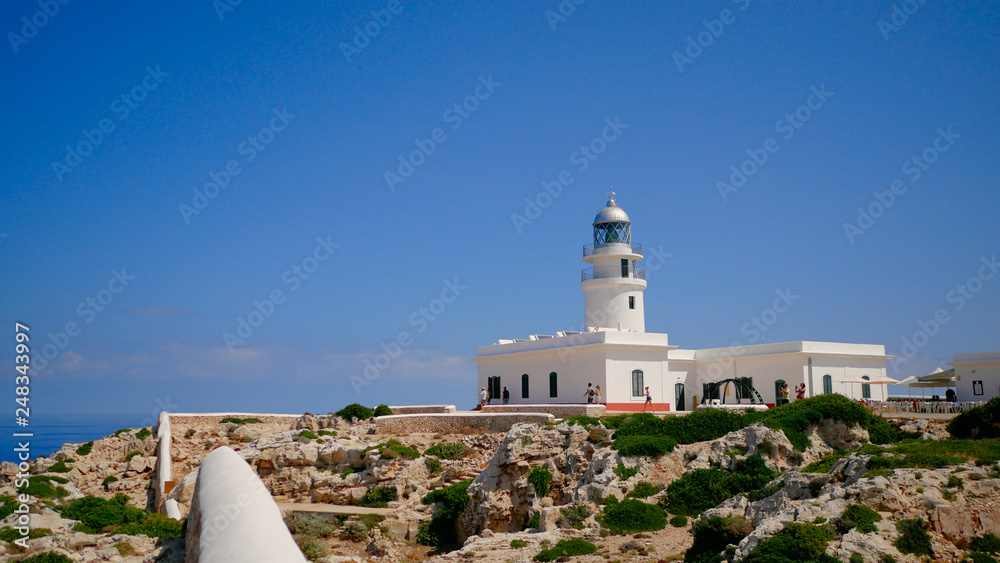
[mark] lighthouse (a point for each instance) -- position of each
(613, 284)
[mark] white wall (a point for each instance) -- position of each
(977, 367)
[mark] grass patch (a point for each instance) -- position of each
(433, 466)
(702, 489)
(314, 525)
(131, 455)
(308, 435)
(354, 410)
(631, 516)
(59, 467)
(85, 449)
(518, 544)
(825, 464)
(40, 486)
(934, 454)
(679, 521)
(449, 450)
(9, 535)
(796, 542)
(581, 420)
(143, 433)
(394, 448)
(326, 433)
(913, 538)
(566, 548)
(540, 478)
(573, 516)
(631, 446)
(108, 480)
(47, 557)
(378, 497)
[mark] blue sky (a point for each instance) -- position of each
(271, 81)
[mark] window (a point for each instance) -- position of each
(553, 386)
(777, 392)
(637, 383)
(977, 387)
(866, 389)
(624, 267)
(709, 391)
(743, 388)
(631, 301)
(828, 384)
(524, 386)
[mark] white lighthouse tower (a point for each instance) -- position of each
(613, 285)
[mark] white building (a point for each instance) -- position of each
(616, 353)
(977, 376)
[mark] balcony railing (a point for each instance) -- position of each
(605, 272)
(613, 248)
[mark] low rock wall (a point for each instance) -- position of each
(422, 409)
(560, 411)
(234, 518)
(446, 423)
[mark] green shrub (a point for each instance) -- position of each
(765, 492)
(581, 420)
(371, 520)
(796, 542)
(449, 450)
(631, 446)
(698, 426)
(9, 535)
(382, 410)
(439, 532)
(354, 410)
(143, 433)
(236, 420)
(858, 516)
(108, 480)
(395, 448)
(326, 433)
(573, 516)
(631, 516)
(95, 514)
(85, 449)
(518, 544)
(313, 525)
(856, 558)
(154, 526)
(535, 521)
(679, 521)
(702, 489)
(713, 534)
(355, 531)
(378, 497)
(59, 467)
(977, 423)
(453, 499)
(566, 548)
(980, 557)
(987, 543)
(131, 455)
(624, 473)
(643, 489)
(954, 481)
(540, 478)
(47, 557)
(307, 435)
(825, 464)
(433, 466)
(312, 548)
(913, 538)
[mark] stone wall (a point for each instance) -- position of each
(445, 423)
(560, 411)
(234, 518)
(422, 409)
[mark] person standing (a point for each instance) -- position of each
(784, 394)
(483, 397)
(649, 401)
(506, 395)
(589, 393)
(597, 395)
(800, 391)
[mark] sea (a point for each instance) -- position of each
(50, 432)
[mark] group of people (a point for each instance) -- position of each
(592, 394)
(783, 393)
